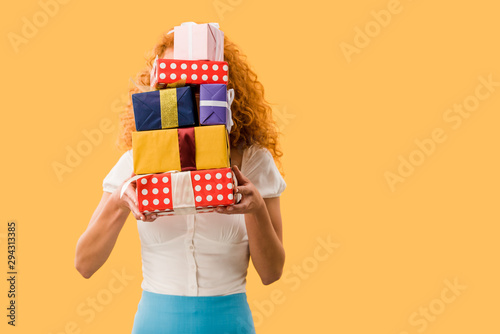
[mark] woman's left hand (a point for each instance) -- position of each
(251, 200)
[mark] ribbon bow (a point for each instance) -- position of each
(182, 191)
(152, 74)
(226, 104)
(214, 24)
(230, 99)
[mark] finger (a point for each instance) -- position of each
(151, 218)
(223, 210)
(130, 193)
(243, 190)
(134, 182)
(238, 208)
(134, 209)
(239, 175)
(232, 209)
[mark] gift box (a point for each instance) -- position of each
(182, 149)
(198, 42)
(177, 73)
(166, 108)
(215, 105)
(186, 192)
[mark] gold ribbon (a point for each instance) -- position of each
(168, 103)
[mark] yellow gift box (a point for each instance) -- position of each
(195, 148)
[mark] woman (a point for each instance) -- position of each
(195, 266)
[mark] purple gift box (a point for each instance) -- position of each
(215, 105)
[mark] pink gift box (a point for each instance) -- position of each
(198, 42)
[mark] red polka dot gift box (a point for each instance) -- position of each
(176, 73)
(186, 192)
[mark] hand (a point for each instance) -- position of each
(251, 200)
(129, 201)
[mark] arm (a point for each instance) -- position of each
(97, 242)
(264, 228)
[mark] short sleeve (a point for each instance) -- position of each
(119, 173)
(259, 167)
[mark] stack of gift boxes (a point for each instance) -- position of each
(181, 146)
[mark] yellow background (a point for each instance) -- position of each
(344, 124)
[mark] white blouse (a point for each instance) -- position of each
(205, 254)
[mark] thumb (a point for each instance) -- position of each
(239, 176)
(133, 183)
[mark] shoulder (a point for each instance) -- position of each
(127, 157)
(121, 171)
(256, 157)
(259, 167)
(125, 162)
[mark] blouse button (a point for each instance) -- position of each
(191, 247)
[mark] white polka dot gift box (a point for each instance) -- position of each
(176, 73)
(186, 192)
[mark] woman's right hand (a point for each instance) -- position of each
(129, 200)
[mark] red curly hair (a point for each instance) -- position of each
(252, 114)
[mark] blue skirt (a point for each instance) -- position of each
(165, 314)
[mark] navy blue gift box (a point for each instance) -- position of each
(164, 109)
